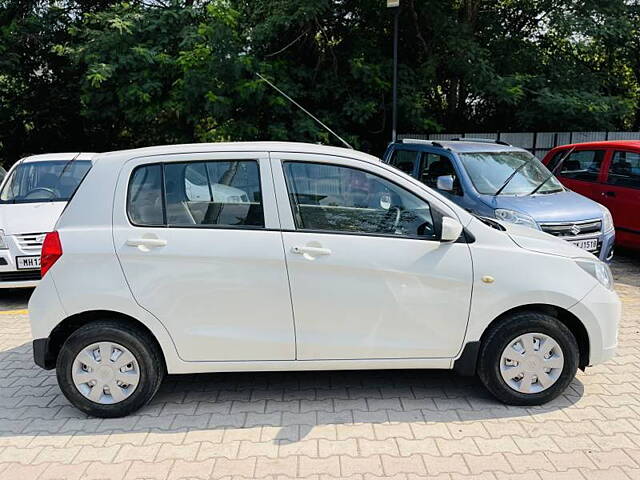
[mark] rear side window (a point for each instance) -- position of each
(624, 170)
(144, 203)
(404, 160)
(197, 194)
(580, 165)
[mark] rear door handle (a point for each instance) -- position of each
(312, 251)
(608, 194)
(146, 242)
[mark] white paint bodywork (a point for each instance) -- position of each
(229, 299)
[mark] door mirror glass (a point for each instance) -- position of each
(385, 201)
(451, 229)
(445, 183)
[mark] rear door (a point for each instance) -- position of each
(198, 240)
(620, 192)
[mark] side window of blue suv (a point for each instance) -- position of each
(404, 160)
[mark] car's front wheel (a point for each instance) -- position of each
(528, 359)
(109, 369)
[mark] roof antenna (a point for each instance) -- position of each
(304, 110)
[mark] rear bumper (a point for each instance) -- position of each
(42, 355)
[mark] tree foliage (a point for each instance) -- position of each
(101, 75)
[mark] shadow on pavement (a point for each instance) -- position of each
(292, 404)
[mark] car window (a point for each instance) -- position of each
(144, 201)
(515, 172)
(215, 193)
(44, 181)
(433, 166)
(333, 198)
(580, 165)
(625, 169)
(404, 160)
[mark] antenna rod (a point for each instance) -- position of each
(304, 110)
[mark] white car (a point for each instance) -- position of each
(33, 195)
(335, 261)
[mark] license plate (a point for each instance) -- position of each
(28, 263)
(587, 244)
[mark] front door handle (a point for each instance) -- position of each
(146, 242)
(608, 194)
(311, 251)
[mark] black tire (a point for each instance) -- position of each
(144, 349)
(499, 337)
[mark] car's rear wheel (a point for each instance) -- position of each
(528, 359)
(109, 369)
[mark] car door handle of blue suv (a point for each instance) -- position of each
(311, 251)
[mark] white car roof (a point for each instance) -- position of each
(290, 147)
(43, 157)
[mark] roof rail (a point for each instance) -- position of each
(419, 140)
(480, 140)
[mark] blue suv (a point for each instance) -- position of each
(495, 179)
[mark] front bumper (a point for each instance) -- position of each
(600, 311)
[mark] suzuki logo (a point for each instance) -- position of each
(575, 229)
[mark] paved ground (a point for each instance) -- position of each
(313, 425)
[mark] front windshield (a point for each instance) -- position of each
(44, 181)
(489, 171)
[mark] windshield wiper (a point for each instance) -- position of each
(506, 182)
(64, 169)
(553, 172)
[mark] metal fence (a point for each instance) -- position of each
(538, 143)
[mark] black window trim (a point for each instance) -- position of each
(613, 154)
(164, 197)
(297, 229)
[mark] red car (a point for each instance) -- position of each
(609, 173)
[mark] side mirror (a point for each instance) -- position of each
(445, 183)
(451, 229)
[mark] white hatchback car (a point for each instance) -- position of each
(35, 192)
(307, 258)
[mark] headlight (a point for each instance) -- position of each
(3, 244)
(607, 220)
(517, 218)
(598, 270)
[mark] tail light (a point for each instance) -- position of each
(51, 252)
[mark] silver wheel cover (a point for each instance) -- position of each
(105, 373)
(531, 363)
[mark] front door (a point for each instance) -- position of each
(199, 244)
(620, 192)
(581, 171)
(369, 278)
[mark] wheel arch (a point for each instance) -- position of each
(65, 328)
(467, 362)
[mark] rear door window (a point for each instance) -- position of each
(624, 170)
(404, 160)
(197, 194)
